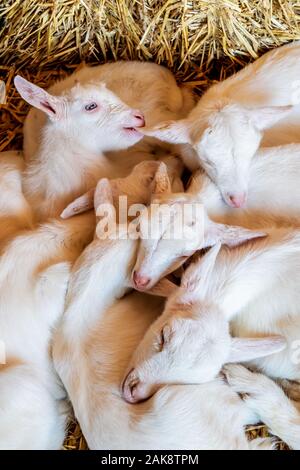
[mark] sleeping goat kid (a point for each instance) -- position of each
(195, 323)
(226, 127)
(93, 345)
(34, 270)
(271, 169)
(254, 285)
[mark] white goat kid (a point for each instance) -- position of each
(148, 87)
(92, 348)
(226, 127)
(255, 287)
(272, 168)
(34, 269)
(81, 125)
(69, 136)
(162, 249)
(191, 340)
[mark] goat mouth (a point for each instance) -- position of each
(132, 131)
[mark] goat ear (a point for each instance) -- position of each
(229, 235)
(144, 174)
(247, 349)
(197, 276)
(174, 132)
(53, 106)
(81, 204)
(145, 169)
(105, 210)
(266, 117)
(164, 288)
(103, 193)
(161, 181)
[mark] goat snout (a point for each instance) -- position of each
(139, 119)
(130, 388)
(236, 200)
(140, 282)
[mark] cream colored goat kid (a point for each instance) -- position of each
(94, 343)
(273, 200)
(69, 134)
(226, 127)
(254, 285)
(34, 269)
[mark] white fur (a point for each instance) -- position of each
(34, 272)
(255, 285)
(92, 348)
(67, 156)
(226, 127)
(269, 402)
(34, 269)
(274, 199)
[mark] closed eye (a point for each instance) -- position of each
(161, 340)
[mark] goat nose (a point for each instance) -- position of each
(139, 119)
(140, 281)
(237, 200)
(129, 387)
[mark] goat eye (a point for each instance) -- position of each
(91, 106)
(164, 337)
(161, 341)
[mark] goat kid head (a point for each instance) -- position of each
(190, 342)
(225, 136)
(91, 115)
(172, 228)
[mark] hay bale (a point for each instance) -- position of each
(200, 40)
(182, 34)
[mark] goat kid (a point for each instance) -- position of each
(226, 127)
(69, 136)
(146, 86)
(255, 287)
(34, 269)
(267, 206)
(92, 347)
(81, 125)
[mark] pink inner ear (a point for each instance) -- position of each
(46, 105)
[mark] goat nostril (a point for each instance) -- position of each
(140, 281)
(129, 387)
(237, 201)
(140, 117)
(144, 281)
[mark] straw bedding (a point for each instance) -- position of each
(200, 40)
